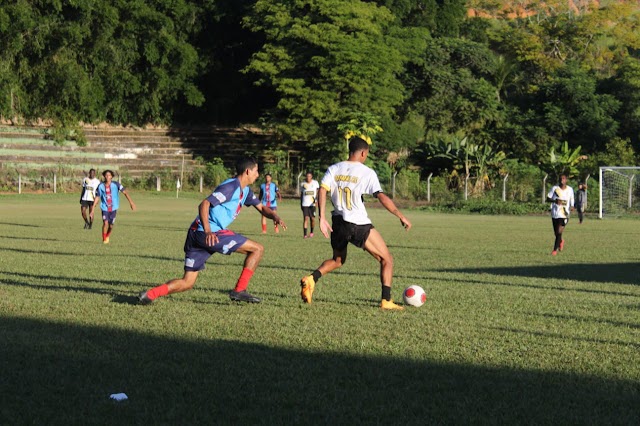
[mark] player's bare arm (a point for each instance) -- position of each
(388, 204)
(210, 238)
(131, 203)
(270, 214)
(325, 227)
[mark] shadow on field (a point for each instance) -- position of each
(623, 273)
(64, 374)
(11, 237)
(26, 225)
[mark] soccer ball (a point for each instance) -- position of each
(414, 295)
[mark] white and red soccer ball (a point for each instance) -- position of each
(414, 295)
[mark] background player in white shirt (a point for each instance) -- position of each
(562, 201)
(308, 194)
(346, 182)
(87, 196)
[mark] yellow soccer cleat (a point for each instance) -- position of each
(307, 285)
(388, 305)
(106, 241)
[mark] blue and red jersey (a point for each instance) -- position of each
(109, 195)
(268, 194)
(226, 201)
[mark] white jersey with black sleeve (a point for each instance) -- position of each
(566, 197)
(347, 182)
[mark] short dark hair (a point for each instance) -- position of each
(245, 163)
(309, 173)
(92, 170)
(356, 144)
(104, 174)
(268, 174)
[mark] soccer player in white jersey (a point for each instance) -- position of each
(308, 194)
(562, 201)
(346, 182)
(87, 196)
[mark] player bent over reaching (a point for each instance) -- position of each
(208, 234)
(346, 182)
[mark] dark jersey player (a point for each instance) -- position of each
(208, 234)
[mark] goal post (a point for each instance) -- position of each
(619, 190)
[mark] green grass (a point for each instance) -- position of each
(508, 335)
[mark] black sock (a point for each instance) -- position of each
(556, 245)
(386, 292)
(316, 275)
(305, 232)
(312, 229)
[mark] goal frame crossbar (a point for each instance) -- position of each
(609, 168)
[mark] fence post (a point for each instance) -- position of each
(429, 187)
(544, 188)
(586, 191)
(55, 183)
(158, 184)
(201, 181)
(19, 183)
(298, 184)
(466, 186)
(177, 187)
(393, 185)
(631, 190)
(504, 187)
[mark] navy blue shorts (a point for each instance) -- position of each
(109, 217)
(196, 250)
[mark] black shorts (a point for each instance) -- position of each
(559, 222)
(347, 232)
(85, 203)
(309, 211)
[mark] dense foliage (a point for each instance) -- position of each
(517, 80)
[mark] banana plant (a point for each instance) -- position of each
(565, 161)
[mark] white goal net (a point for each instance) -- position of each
(619, 191)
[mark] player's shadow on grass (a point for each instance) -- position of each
(11, 237)
(71, 370)
(26, 225)
(622, 273)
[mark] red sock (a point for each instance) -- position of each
(104, 236)
(109, 233)
(161, 290)
(264, 228)
(243, 281)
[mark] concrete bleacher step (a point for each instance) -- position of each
(134, 152)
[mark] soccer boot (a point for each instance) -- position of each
(243, 296)
(106, 240)
(555, 252)
(86, 225)
(561, 245)
(143, 299)
(388, 305)
(307, 285)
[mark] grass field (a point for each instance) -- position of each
(509, 334)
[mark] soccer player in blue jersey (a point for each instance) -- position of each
(269, 196)
(108, 195)
(208, 234)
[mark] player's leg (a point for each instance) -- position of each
(561, 227)
(312, 217)
(275, 224)
(305, 221)
(91, 212)
(105, 227)
(196, 253)
(557, 231)
(377, 247)
(83, 212)
(263, 223)
(254, 252)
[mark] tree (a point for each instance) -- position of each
(328, 60)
